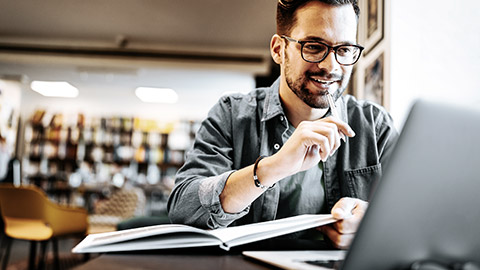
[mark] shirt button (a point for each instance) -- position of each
(276, 146)
(281, 118)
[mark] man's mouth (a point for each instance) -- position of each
(323, 84)
(326, 83)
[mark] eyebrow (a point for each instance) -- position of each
(315, 38)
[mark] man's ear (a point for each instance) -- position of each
(276, 45)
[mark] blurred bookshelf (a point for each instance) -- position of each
(79, 160)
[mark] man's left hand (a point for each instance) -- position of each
(349, 212)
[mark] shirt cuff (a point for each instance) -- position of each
(209, 194)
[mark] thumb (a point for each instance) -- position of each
(343, 208)
(338, 213)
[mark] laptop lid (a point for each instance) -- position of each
(427, 205)
(425, 209)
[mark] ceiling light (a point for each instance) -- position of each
(156, 95)
(54, 89)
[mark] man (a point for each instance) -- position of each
(310, 161)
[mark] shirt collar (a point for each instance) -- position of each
(273, 106)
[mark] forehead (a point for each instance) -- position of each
(335, 24)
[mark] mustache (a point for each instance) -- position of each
(324, 74)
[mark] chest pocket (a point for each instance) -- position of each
(358, 182)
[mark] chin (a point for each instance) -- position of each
(316, 102)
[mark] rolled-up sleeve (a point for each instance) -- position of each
(195, 199)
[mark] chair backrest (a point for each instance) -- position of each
(22, 202)
(30, 202)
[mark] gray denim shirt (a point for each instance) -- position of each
(239, 128)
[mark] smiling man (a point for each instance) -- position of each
(279, 151)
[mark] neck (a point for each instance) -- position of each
(295, 109)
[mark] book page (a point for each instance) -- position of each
(163, 241)
(179, 236)
(120, 237)
(234, 236)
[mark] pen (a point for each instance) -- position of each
(333, 110)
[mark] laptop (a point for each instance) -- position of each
(426, 208)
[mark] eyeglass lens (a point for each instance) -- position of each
(316, 52)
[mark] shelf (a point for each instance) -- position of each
(99, 148)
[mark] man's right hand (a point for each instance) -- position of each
(311, 142)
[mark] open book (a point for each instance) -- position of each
(182, 236)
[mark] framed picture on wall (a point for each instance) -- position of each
(373, 80)
(372, 24)
(374, 83)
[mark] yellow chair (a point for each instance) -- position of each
(28, 214)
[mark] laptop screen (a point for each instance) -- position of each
(426, 206)
(425, 211)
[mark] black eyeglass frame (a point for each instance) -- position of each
(330, 48)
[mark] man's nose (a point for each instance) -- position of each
(329, 64)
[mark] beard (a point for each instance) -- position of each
(299, 85)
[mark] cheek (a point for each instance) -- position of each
(295, 67)
(295, 62)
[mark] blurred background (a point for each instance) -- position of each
(198, 50)
(106, 137)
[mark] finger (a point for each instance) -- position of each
(350, 222)
(341, 241)
(347, 226)
(343, 208)
(322, 143)
(324, 151)
(350, 225)
(338, 143)
(342, 126)
(329, 130)
(313, 151)
(360, 207)
(324, 128)
(333, 135)
(342, 135)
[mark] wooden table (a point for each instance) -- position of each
(211, 258)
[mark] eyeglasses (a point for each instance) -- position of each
(316, 51)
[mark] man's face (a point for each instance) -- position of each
(333, 25)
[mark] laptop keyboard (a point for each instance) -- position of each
(333, 264)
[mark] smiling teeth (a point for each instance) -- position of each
(324, 82)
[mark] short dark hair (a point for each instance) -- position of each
(286, 12)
